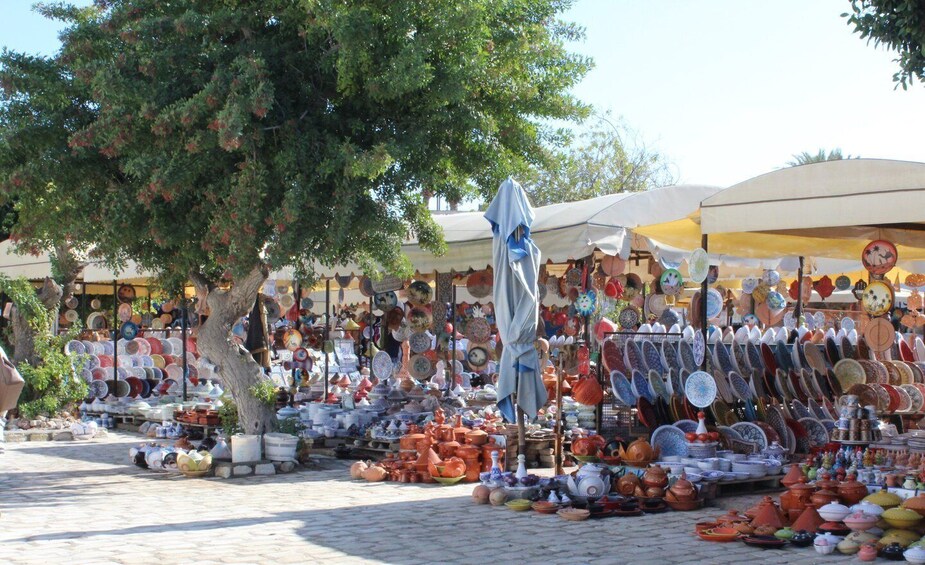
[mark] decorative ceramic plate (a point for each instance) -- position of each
(629, 317)
(699, 348)
(749, 284)
(776, 301)
(879, 334)
(585, 302)
(754, 356)
(129, 331)
(672, 282)
(724, 360)
(419, 292)
(658, 386)
(915, 395)
(729, 433)
(641, 387)
(622, 389)
(385, 301)
(700, 389)
(740, 386)
(478, 330)
(777, 420)
(686, 355)
(612, 356)
(476, 356)
(382, 365)
(633, 357)
(670, 355)
(877, 298)
(421, 367)
(752, 433)
(419, 342)
(905, 401)
(799, 410)
(849, 372)
(698, 265)
(714, 303)
(686, 426)
(818, 435)
(879, 257)
(770, 277)
(656, 305)
(670, 441)
(652, 357)
(480, 283)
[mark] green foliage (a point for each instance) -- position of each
(265, 392)
(26, 300)
(228, 414)
(208, 136)
(291, 426)
(805, 157)
(606, 158)
(53, 385)
(900, 26)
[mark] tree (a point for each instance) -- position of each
(805, 157)
(900, 26)
(238, 136)
(604, 158)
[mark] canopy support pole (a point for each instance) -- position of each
(558, 443)
(798, 309)
(184, 328)
(704, 286)
(327, 323)
(115, 334)
(452, 363)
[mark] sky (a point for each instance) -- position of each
(725, 90)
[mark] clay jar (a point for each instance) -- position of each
(656, 477)
(822, 497)
(797, 497)
(460, 431)
(852, 491)
(626, 485)
(682, 490)
(487, 450)
(447, 449)
(477, 437)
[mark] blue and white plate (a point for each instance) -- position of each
(741, 357)
(670, 441)
(633, 357)
(686, 354)
(740, 386)
(670, 355)
(753, 433)
(700, 389)
(641, 386)
(799, 410)
(714, 303)
(699, 348)
(675, 386)
(818, 435)
(658, 386)
(622, 389)
(728, 432)
(686, 426)
(652, 357)
(723, 358)
(754, 356)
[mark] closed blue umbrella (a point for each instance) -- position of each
(516, 269)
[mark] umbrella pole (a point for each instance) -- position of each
(704, 286)
(521, 423)
(558, 443)
(798, 309)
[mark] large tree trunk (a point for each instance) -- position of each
(238, 370)
(69, 268)
(23, 334)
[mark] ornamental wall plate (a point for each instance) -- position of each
(879, 257)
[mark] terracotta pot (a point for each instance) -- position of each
(454, 467)
(822, 497)
(768, 515)
(916, 503)
(468, 451)
(472, 469)
(797, 497)
(487, 450)
(809, 520)
(626, 485)
(447, 449)
(410, 441)
(477, 437)
(852, 491)
(732, 517)
(793, 476)
(655, 476)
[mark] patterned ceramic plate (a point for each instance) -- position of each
(478, 330)
(652, 357)
(686, 354)
(669, 355)
(698, 265)
(98, 389)
(814, 357)
(754, 356)
(641, 387)
(419, 342)
(629, 317)
(818, 435)
(421, 367)
(728, 432)
(585, 302)
(723, 357)
(686, 426)
(700, 389)
(633, 357)
(799, 410)
(670, 441)
(740, 386)
(477, 357)
(741, 357)
(622, 389)
(658, 385)
(382, 365)
(915, 395)
(752, 433)
(776, 420)
(612, 356)
(677, 386)
(699, 348)
(849, 372)
(671, 282)
(848, 350)
(905, 401)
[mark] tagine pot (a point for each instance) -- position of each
(797, 496)
(808, 520)
(768, 515)
(852, 491)
(916, 503)
(822, 497)
(656, 477)
(793, 476)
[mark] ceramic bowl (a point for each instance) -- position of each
(574, 514)
(834, 512)
(518, 505)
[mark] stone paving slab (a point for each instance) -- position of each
(74, 502)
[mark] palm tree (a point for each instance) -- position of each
(805, 157)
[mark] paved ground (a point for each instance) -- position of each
(69, 502)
